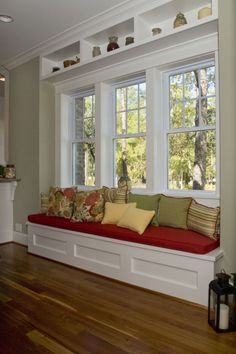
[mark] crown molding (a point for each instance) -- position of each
(76, 32)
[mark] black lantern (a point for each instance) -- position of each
(222, 303)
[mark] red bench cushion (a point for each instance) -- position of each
(167, 237)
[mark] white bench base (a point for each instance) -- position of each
(180, 274)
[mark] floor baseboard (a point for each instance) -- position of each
(20, 238)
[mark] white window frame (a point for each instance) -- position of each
(167, 130)
(73, 140)
(123, 84)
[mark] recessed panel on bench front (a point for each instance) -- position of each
(164, 272)
(48, 243)
(97, 256)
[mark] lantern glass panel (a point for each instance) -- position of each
(232, 309)
(225, 319)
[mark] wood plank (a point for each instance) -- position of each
(45, 342)
(46, 307)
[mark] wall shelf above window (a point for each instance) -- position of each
(140, 27)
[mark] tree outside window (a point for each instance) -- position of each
(130, 134)
(83, 144)
(192, 131)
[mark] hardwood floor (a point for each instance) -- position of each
(47, 307)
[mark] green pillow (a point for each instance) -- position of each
(146, 202)
(173, 211)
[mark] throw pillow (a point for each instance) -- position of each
(61, 202)
(114, 211)
(203, 219)
(173, 211)
(146, 202)
(136, 219)
(89, 206)
(44, 203)
(115, 195)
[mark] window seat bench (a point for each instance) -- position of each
(176, 262)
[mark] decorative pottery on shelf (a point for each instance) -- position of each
(67, 63)
(156, 30)
(129, 40)
(55, 68)
(10, 171)
(112, 45)
(96, 51)
(70, 62)
(204, 12)
(180, 20)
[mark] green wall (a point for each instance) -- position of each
(227, 61)
(31, 137)
(46, 136)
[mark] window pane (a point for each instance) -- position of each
(130, 159)
(132, 97)
(142, 95)
(176, 115)
(121, 99)
(88, 106)
(192, 160)
(207, 77)
(83, 164)
(176, 87)
(142, 120)
(78, 124)
(208, 110)
(121, 123)
(191, 113)
(190, 84)
(132, 122)
(89, 128)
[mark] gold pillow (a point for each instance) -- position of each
(114, 211)
(136, 219)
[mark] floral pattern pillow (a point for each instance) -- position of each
(61, 202)
(89, 206)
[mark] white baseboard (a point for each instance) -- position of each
(21, 238)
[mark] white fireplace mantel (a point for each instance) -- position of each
(7, 192)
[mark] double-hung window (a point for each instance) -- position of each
(191, 129)
(83, 142)
(130, 133)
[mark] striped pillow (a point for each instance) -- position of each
(115, 195)
(203, 219)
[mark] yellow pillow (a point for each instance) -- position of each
(114, 211)
(136, 219)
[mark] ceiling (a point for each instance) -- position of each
(36, 21)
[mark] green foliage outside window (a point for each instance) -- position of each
(130, 141)
(83, 148)
(192, 136)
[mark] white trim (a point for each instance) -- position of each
(5, 72)
(181, 274)
(153, 64)
(21, 238)
(163, 59)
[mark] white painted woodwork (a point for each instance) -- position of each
(144, 17)
(7, 191)
(152, 66)
(180, 274)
